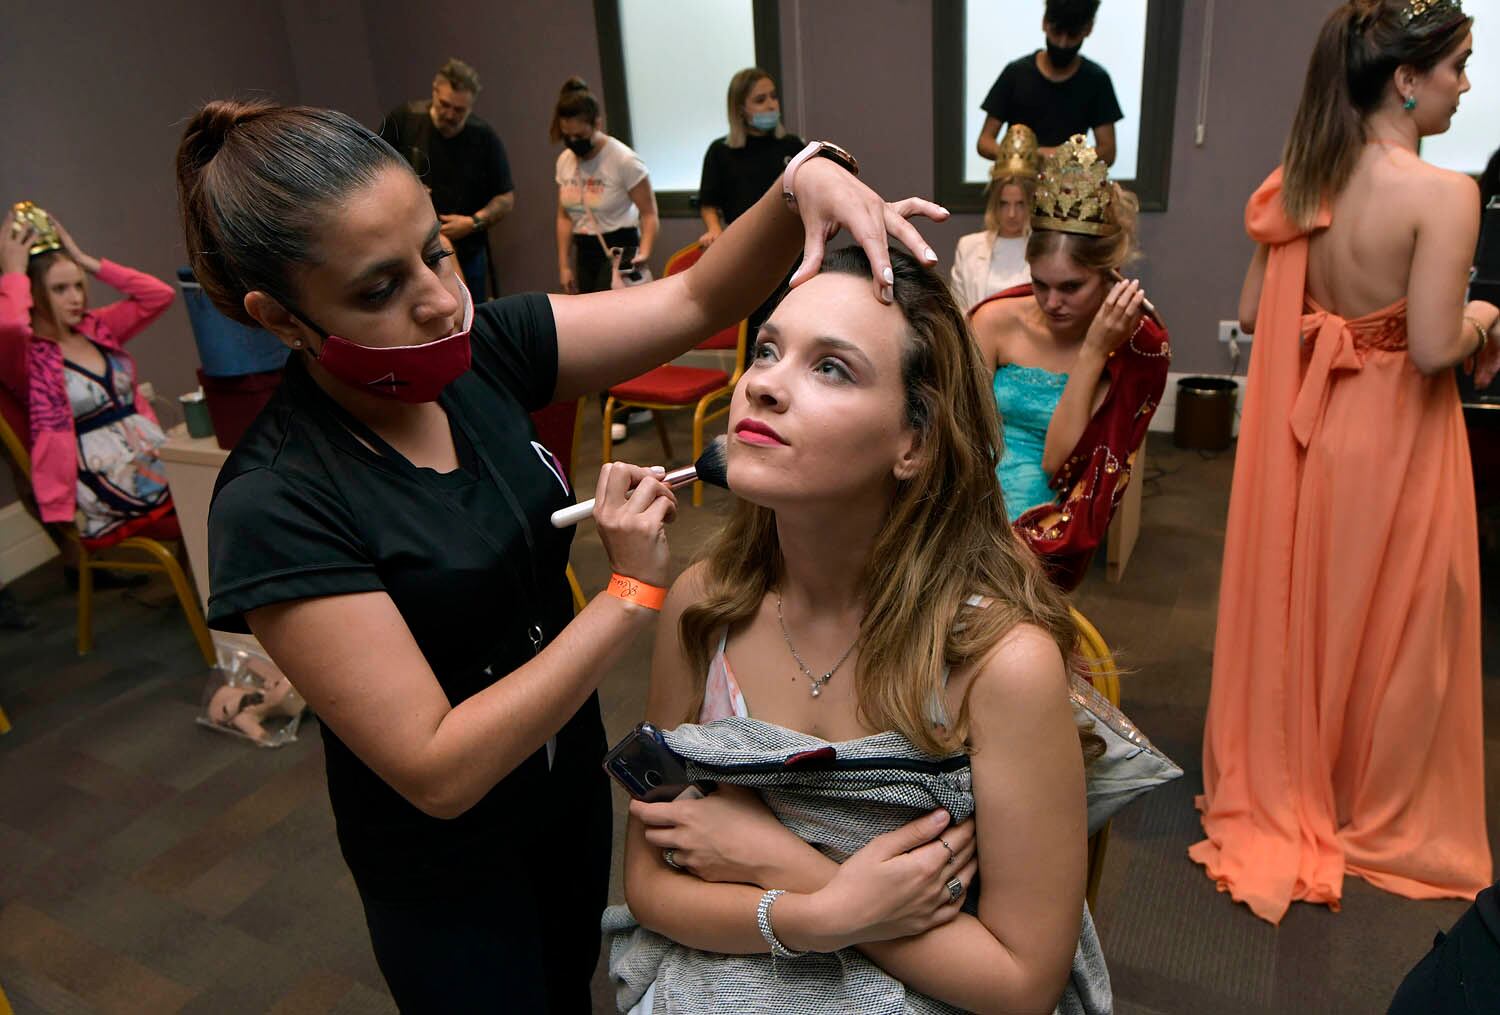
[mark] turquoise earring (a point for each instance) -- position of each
(1410, 103)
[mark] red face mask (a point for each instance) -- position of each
(405, 373)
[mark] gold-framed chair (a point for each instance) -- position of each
(125, 555)
(1105, 676)
(672, 388)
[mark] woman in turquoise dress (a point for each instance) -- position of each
(1079, 362)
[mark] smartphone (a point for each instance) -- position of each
(624, 256)
(646, 768)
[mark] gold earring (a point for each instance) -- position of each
(296, 343)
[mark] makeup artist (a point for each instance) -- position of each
(383, 528)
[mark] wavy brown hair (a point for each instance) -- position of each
(947, 537)
(1359, 48)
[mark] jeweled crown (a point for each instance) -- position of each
(30, 216)
(1017, 155)
(1073, 193)
(1420, 9)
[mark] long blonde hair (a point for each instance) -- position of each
(740, 87)
(997, 194)
(947, 537)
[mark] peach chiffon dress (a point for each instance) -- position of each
(1344, 731)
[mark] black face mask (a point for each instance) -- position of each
(580, 146)
(1062, 57)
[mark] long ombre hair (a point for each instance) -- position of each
(1360, 47)
(947, 537)
(740, 87)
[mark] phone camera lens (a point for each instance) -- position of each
(653, 778)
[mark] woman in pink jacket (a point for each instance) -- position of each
(65, 376)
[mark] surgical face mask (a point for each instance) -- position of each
(580, 146)
(1062, 57)
(403, 373)
(765, 121)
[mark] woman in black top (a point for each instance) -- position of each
(739, 167)
(383, 530)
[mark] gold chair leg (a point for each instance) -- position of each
(608, 441)
(187, 596)
(85, 602)
(579, 602)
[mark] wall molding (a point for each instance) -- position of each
(24, 545)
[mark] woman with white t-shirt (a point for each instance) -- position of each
(602, 190)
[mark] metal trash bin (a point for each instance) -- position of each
(1205, 413)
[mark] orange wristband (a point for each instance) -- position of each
(632, 591)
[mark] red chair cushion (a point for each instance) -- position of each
(729, 338)
(672, 385)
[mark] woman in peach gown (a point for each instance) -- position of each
(1344, 725)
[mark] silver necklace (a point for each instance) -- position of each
(815, 682)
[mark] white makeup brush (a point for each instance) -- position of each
(712, 467)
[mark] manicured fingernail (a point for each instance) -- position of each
(890, 279)
(943, 210)
(885, 294)
(939, 817)
(657, 470)
(929, 255)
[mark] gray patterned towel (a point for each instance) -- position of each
(837, 797)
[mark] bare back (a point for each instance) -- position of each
(1402, 229)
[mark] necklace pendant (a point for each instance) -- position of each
(817, 689)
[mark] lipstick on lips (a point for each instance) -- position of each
(753, 431)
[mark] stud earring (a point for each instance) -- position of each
(1410, 103)
(296, 343)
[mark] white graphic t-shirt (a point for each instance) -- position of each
(604, 181)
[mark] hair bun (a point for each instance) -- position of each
(574, 84)
(208, 130)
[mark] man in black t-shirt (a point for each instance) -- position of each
(1055, 91)
(462, 161)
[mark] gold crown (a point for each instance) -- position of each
(1073, 193)
(29, 216)
(1418, 9)
(1017, 155)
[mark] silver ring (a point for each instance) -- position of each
(955, 889)
(670, 856)
(952, 857)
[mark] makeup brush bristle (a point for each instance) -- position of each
(713, 464)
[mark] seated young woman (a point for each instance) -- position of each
(867, 612)
(1079, 361)
(994, 259)
(65, 372)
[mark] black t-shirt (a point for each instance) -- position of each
(735, 178)
(465, 171)
(302, 509)
(1056, 110)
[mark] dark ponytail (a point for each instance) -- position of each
(575, 99)
(1359, 48)
(255, 181)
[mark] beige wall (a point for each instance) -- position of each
(97, 93)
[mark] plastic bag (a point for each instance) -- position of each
(249, 698)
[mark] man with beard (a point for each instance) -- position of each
(1055, 91)
(462, 162)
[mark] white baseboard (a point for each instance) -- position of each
(1165, 420)
(23, 543)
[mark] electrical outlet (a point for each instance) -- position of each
(1229, 331)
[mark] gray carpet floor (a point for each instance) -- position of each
(150, 865)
